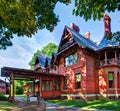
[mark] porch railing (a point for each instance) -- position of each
(108, 62)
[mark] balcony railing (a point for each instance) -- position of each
(108, 62)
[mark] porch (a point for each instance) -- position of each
(108, 58)
(48, 84)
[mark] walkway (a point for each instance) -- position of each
(21, 105)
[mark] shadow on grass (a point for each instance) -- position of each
(96, 104)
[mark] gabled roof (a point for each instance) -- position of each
(108, 43)
(54, 54)
(53, 57)
(82, 41)
(48, 60)
(42, 60)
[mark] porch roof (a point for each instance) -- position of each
(25, 73)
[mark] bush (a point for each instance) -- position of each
(3, 97)
(19, 90)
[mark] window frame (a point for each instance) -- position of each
(65, 83)
(46, 85)
(77, 82)
(111, 82)
(71, 59)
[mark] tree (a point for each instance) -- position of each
(25, 17)
(95, 9)
(47, 50)
(19, 86)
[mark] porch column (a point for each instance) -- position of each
(34, 86)
(40, 87)
(11, 96)
(105, 57)
(115, 57)
(53, 83)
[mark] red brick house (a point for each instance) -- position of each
(3, 87)
(81, 69)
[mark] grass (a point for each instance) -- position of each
(21, 96)
(95, 104)
(6, 106)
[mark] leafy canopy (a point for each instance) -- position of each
(47, 50)
(95, 9)
(25, 17)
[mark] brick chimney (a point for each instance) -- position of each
(87, 35)
(74, 27)
(107, 25)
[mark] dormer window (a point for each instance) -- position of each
(71, 59)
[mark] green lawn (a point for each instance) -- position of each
(21, 96)
(95, 104)
(5, 106)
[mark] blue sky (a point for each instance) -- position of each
(23, 48)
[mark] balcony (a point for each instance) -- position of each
(108, 62)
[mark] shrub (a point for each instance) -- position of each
(19, 90)
(3, 97)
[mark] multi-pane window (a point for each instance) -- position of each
(110, 80)
(71, 59)
(46, 85)
(78, 81)
(65, 83)
(57, 84)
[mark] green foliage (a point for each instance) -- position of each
(19, 86)
(19, 90)
(32, 62)
(95, 9)
(3, 97)
(47, 50)
(25, 17)
(117, 36)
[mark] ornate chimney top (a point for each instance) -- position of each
(87, 35)
(74, 27)
(107, 25)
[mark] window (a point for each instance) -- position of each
(57, 84)
(110, 80)
(71, 59)
(65, 83)
(78, 81)
(46, 85)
